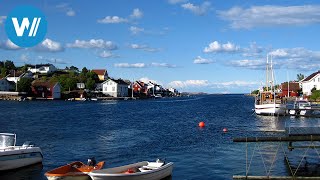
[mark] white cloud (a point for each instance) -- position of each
(189, 83)
(144, 48)
(176, 1)
(127, 65)
(24, 58)
(198, 10)
(65, 7)
(71, 12)
(154, 64)
(112, 20)
(107, 54)
(136, 30)
(250, 64)
(49, 45)
(9, 45)
(136, 14)
(268, 16)
(253, 50)
(200, 60)
(147, 80)
(217, 47)
(93, 43)
(2, 19)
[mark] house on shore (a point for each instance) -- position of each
(290, 89)
(310, 82)
(115, 88)
(140, 89)
(15, 76)
(102, 74)
(48, 90)
(6, 85)
(42, 68)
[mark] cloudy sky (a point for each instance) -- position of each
(209, 46)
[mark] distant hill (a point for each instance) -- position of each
(193, 93)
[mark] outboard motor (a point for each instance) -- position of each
(92, 161)
(28, 144)
(160, 161)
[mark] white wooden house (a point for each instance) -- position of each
(42, 68)
(310, 82)
(115, 88)
(16, 76)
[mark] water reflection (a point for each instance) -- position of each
(32, 172)
(271, 123)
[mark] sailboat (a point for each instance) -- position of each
(267, 102)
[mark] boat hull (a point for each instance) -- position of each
(270, 109)
(73, 171)
(68, 177)
(17, 158)
(157, 174)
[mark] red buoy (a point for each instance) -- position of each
(201, 124)
(225, 130)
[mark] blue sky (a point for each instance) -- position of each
(209, 46)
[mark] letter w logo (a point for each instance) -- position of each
(25, 25)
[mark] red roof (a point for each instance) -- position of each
(311, 76)
(100, 71)
(43, 84)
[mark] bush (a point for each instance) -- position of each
(315, 95)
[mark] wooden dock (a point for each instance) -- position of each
(310, 136)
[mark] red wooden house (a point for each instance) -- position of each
(49, 90)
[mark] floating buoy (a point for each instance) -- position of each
(225, 130)
(201, 124)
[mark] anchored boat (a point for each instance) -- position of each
(268, 102)
(74, 171)
(139, 171)
(301, 107)
(13, 157)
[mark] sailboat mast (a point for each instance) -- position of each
(267, 73)
(272, 76)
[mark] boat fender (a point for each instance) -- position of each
(129, 171)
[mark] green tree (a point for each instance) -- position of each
(84, 71)
(315, 95)
(93, 76)
(255, 91)
(70, 84)
(9, 65)
(4, 72)
(90, 84)
(300, 77)
(24, 68)
(24, 85)
(73, 68)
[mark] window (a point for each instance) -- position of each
(113, 88)
(105, 88)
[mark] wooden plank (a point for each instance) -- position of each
(302, 131)
(275, 177)
(278, 139)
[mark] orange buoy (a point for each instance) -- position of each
(201, 124)
(225, 130)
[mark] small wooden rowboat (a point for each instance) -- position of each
(73, 171)
(138, 171)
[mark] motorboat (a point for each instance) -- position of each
(13, 157)
(301, 107)
(74, 171)
(138, 171)
(268, 102)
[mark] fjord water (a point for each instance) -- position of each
(122, 132)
